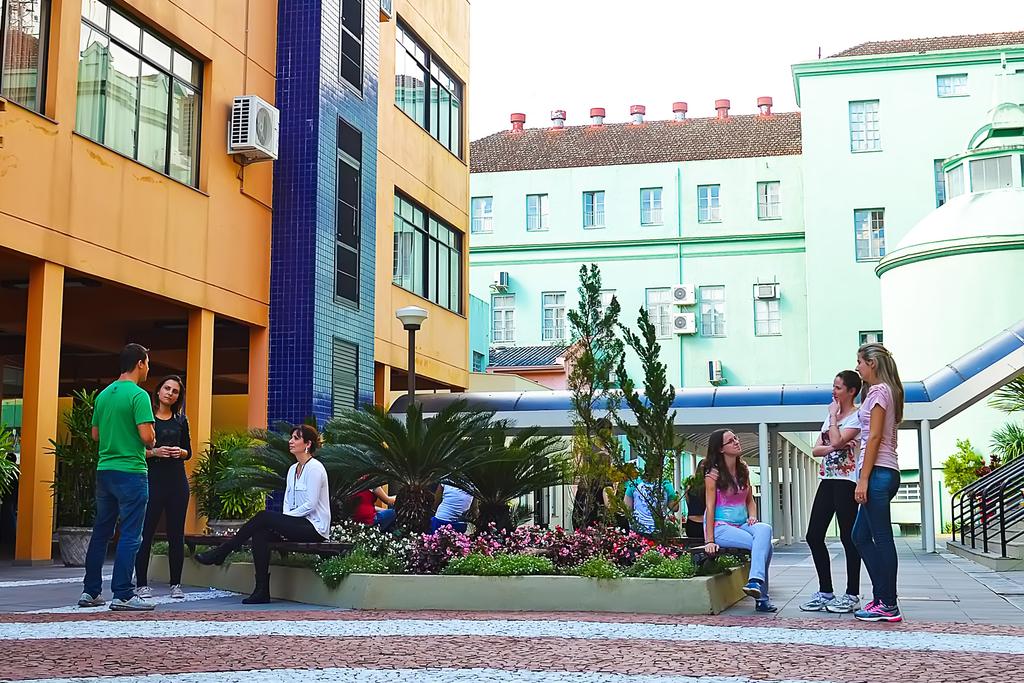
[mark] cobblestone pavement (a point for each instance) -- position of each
(304, 646)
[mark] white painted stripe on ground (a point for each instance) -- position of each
(156, 600)
(44, 582)
(586, 630)
(432, 675)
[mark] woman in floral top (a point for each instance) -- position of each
(837, 447)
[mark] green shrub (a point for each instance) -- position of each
(159, 548)
(681, 568)
(596, 568)
(359, 561)
(961, 468)
(718, 564)
(477, 564)
(645, 563)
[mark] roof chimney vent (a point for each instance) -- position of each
(597, 116)
(722, 107)
(518, 120)
(637, 111)
(764, 106)
(558, 118)
(679, 110)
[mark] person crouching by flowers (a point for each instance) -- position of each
(730, 520)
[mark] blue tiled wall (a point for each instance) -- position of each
(304, 315)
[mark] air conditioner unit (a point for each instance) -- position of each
(769, 291)
(715, 371)
(684, 295)
(253, 129)
(684, 323)
(386, 10)
(501, 280)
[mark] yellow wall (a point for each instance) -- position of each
(410, 160)
(68, 200)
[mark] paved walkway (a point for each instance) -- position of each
(963, 623)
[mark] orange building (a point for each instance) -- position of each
(122, 216)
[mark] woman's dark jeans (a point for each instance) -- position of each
(872, 532)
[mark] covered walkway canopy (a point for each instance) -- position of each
(784, 408)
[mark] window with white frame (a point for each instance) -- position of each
(659, 309)
(593, 209)
(767, 319)
(553, 327)
(503, 318)
(536, 212)
(606, 299)
(991, 174)
(951, 85)
(940, 183)
(865, 132)
(768, 201)
(483, 215)
(869, 228)
(870, 337)
(708, 205)
(650, 206)
(712, 311)
(909, 492)
(955, 178)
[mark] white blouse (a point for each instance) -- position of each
(307, 496)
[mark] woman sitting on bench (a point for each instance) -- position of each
(731, 517)
(306, 517)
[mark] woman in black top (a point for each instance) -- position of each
(696, 503)
(168, 484)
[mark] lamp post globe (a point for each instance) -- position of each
(412, 318)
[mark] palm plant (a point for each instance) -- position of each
(412, 456)
(8, 468)
(1010, 398)
(1008, 441)
(76, 456)
(215, 499)
(512, 468)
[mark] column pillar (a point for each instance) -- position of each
(381, 385)
(799, 483)
(39, 413)
(767, 478)
(786, 532)
(259, 377)
(199, 395)
(927, 494)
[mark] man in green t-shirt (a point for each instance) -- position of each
(123, 424)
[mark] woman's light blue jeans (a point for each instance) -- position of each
(757, 539)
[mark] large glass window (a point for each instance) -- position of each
(991, 174)
(767, 318)
(650, 206)
(352, 43)
(23, 43)
(553, 328)
(940, 183)
(428, 255)
(951, 85)
(956, 181)
(137, 94)
(593, 209)
(708, 204)
(659, 308)
(346, 265)
(536, 212)
(503, 318)
(483, 215)
(416, 70)
(712, 311)
(869, 229)
(769, 204)
(865, 131)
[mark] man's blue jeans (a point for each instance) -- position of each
(872, 533)
(121, 495)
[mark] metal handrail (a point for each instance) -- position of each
(987, 500)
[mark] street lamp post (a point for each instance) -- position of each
(412, 317)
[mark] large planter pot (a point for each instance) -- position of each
(74, 544)
(224, 527)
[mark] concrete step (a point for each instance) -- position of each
(993, 560)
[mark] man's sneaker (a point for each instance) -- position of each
(144, 592)
(876, 611)
(132, 604)
(754, 589)
(765, 605)
(176, 592)
(817, 602)
(843, 604)
(91, 600)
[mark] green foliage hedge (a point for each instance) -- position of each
(477, 564)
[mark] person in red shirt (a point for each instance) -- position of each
(365, 511)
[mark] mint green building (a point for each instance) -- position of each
(753, 240)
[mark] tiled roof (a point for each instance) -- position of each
(648, 143)
(885, 47)
(526, 356)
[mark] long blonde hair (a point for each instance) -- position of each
(886, 373)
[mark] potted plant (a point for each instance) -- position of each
(74, 487)
(225, 508)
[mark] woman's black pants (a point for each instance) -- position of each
(269, 526)
(834, 497)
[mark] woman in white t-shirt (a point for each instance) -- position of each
(837, 446)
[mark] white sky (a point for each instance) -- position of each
(533, 56)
